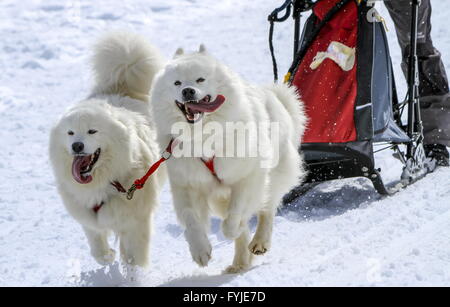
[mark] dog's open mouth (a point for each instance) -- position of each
(82, 167)
(194, 110)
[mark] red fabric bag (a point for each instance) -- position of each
(329, 93)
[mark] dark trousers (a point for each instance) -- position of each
(434, 88)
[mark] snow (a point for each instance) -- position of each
(342, 233)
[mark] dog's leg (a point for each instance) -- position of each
(246, 195)
(192, 212)
(134, 243)
(282, 178)
(262, 239)
(98, 243)
(242, 256)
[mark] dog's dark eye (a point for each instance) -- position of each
(70, 133)
(92, 131)
(200, 80)
(177, 83)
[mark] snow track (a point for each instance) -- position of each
(341, 233)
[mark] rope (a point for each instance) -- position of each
(272, 52)
(139, 183)
(273, 17)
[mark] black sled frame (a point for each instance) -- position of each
(335, 161)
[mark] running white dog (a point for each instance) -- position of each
(101, 145)
(196, 90)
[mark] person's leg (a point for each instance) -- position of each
(434, 88)
(433, 78)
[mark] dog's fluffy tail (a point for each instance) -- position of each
(125, 64)
(294, 106)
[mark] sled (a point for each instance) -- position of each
(343, 72)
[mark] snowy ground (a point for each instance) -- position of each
(340, 234)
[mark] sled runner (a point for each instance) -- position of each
(343, 72)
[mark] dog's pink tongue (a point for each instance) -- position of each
(207, 107)
(78, 164)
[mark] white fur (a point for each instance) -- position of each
(246, 188)
(125, 65)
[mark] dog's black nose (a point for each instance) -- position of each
(188, 93)
(78, 147)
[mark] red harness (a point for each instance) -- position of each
(97, 207)
(210, 165)
(139, 183)
(119, 187)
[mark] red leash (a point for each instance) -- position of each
(139, 183)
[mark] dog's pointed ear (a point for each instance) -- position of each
(179, 52)
(202, 49)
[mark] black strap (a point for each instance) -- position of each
(272, 52)
(273, 17)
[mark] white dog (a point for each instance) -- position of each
(101, 145)
(196, 91)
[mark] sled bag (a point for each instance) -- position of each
(343, 74)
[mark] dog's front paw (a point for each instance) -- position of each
(259, 247)
(201, 251)
(231, 228)
(104, 258)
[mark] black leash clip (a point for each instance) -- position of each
(131, 191)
